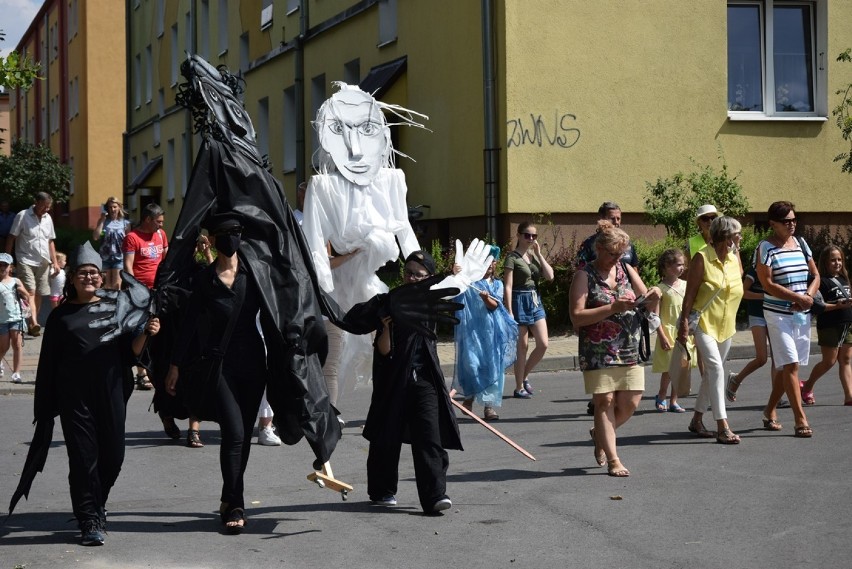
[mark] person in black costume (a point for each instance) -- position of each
(229, 176)
(220, 327)
(410, 403)
(87, 382)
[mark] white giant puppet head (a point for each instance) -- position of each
(354, 134)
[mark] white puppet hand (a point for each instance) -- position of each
(474, 263)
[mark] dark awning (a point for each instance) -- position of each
(381, 77)
(146, 172)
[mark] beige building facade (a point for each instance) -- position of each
(77, 107)
(535, 106)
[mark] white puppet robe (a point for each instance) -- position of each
(369, 219)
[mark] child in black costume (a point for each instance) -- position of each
(410, 403)
(87, 382)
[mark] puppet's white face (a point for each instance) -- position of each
(354, 134)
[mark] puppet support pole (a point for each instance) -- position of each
(506, 439)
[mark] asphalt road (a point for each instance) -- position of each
(772, 501)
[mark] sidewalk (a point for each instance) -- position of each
(561, 355)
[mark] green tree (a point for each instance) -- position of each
(32, 168)
(672, 202)
(844, 120)
(16, 70)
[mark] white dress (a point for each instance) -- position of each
(366, 218)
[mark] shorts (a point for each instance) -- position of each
(790, 342)
(6, 327)
(526, 307)
(35, 279)
(112, 263)
(612, 379)
(834, 336)
(758, 321)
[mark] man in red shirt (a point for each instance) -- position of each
(146, 245)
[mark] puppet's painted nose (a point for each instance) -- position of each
(353, 142)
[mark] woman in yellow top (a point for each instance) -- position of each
(714, 287)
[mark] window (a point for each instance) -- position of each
(289, 129)
(71, 181)
(204, 27)
(352, 72)
(187, 40)
(137, 80)
(170, 169)
(317, 99)
(223, 26)
(175, 62)
(292, 6)
(149, 74)
(263, 126)
(387, 22)
(266, 14)
(244, 52)
(776, 51)
(186, 166)
(161, 17)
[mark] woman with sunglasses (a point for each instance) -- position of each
(785, 266)
(521, 272)
(703, 217)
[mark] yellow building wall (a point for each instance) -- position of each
(601, 97)
(102, 105)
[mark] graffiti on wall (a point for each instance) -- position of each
(538, 131)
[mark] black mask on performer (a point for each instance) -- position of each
(228, 243)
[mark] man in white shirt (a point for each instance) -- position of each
(31, 238)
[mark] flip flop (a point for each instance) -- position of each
(660, 404)
(675, 408)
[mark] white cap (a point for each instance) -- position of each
(705, 209)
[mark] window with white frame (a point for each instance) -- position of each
(776, 59)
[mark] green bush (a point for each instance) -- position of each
(672, 202)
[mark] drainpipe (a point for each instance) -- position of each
(299, 80)
(491, 152)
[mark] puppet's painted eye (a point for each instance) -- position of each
(336, 127)
(369, 128)
(237, 111)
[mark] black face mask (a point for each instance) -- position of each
(227, 244)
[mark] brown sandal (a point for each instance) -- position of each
(193, 439)
(727, 437)
(771, 424)
(699, 430)
(804, 432)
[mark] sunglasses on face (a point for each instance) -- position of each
(532, 236)
(88, 274)
(787, 220)
(418, 276)
(707, 218)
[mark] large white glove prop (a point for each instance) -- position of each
(474, 263)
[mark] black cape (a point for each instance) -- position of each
(277, 258)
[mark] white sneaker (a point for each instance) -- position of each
(16, 378)
(267, 437)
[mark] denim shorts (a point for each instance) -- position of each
(5, 327)
(758, 321)
(527, 307)
(112, 263)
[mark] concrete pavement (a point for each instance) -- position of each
(772, 501)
